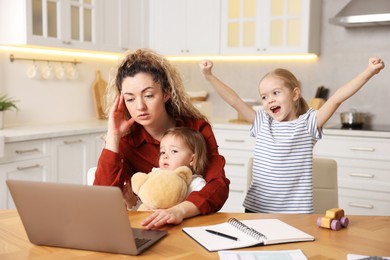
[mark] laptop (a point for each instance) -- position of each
(79, 217)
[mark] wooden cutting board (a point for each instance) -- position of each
(99, 91)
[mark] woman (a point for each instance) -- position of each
(145, 97)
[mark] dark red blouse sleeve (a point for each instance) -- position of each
(109, 169)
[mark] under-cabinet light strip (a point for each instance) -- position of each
(303, 57)
(116, 56)
(62, 53)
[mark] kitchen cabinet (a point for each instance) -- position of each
(270, 26)
(61, 24)
(55, 153)
(71, 158)
(98, 142)
(188, 27)
(363, 165)
(121, 25)
(237, 147)
(113, 26)
(24, 161)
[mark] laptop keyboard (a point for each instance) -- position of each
(141, 241)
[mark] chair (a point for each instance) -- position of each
(91, 175)
(325, 189)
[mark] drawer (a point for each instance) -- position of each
(32, 170)
(239, 140)
(236, 168)
(25, 150)
(357, 202)
(353, 147)
(364, 174)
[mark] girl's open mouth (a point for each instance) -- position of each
(275, 109)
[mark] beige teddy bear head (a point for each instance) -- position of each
(161, 189)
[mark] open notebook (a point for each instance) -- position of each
(247, 232)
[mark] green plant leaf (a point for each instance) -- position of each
(7, 103)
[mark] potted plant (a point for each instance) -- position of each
(6, 103)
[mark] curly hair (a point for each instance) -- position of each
(290, 82)
(162, 72)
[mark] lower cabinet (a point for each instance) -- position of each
(63, 159)
(71, 157)
(237, 147)
(363, 168)
(32, 170)
(98, 142)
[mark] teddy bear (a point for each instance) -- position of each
(161, 189)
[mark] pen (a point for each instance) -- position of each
(221, 234)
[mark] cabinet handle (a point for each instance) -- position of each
(73, 142)
(362, 149)
(27, 151)
(67, 42)
(236, 164)
(235, 140)
(364, 175)
(360, 205)
(27, 167)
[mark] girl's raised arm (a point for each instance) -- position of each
(375, 65)
(227, 93)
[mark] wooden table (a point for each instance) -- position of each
(366, 235)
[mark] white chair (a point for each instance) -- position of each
(325, 189)
(91, 175)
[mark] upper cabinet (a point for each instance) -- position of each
(53, 23)
(75, 24)
(121, 25)
(270, 26)
(170, 27)
(184, 27)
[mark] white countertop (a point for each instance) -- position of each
(220, 123)
(337, 130)
(328, 129)
(32, 132)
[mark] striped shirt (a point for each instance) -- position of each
(282, 164)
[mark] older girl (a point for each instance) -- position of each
(286, 131)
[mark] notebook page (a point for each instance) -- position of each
(214, 242)
(277, 231)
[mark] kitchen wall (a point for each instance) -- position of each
(49, 101)
(344, 53)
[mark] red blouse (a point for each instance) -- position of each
(139, 152)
